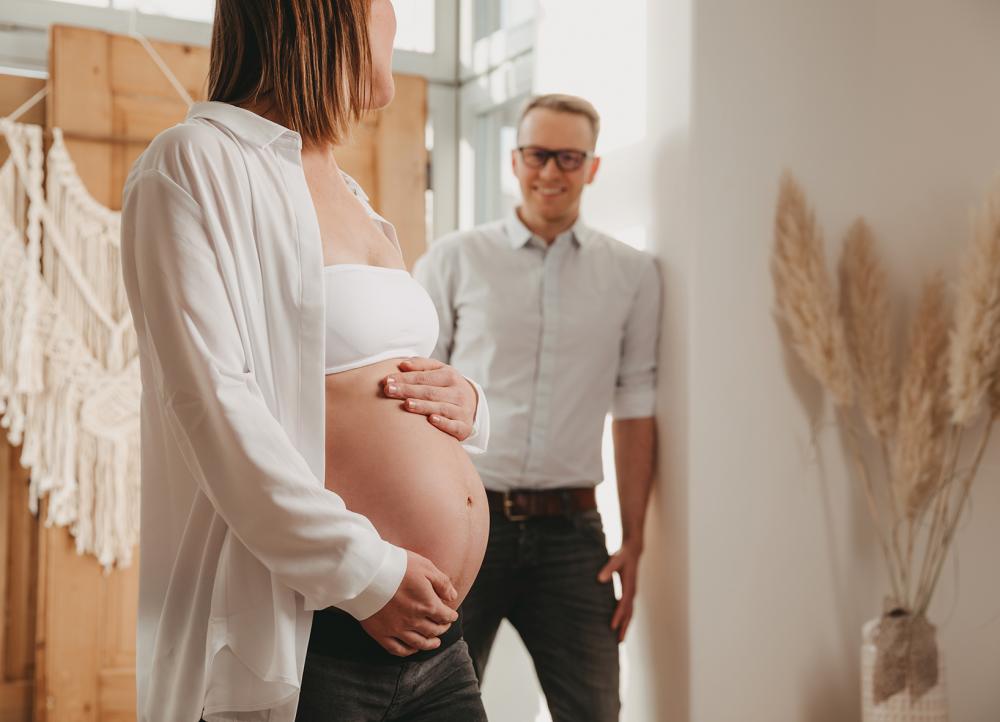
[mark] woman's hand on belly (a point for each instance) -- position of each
(435, 390)
(418, 613)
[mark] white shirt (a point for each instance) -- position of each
(557, 335)
(240, 540)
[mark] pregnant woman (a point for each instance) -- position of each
(305, 540)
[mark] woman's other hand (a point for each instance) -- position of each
(437, 391)
(418, 613)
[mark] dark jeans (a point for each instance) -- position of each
(442, 688)
(541, 575)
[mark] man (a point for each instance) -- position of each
(560, 322)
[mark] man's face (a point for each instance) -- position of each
(550, 194)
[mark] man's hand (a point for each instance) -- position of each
(417, 614)
(626, 563)
(437, 391)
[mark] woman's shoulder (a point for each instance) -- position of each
(191, 154)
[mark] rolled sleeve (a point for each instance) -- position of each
(478, 441)
(635, 388)
(379, 590)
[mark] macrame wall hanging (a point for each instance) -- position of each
(69, 381)
(69, 369)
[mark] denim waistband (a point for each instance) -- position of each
(335, 633)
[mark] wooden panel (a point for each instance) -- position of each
(18, 528)
(107, 86)
(134, 72)
(357, 157)
(117, 695)
(22, 573)
(70, 651)
(15, 90)
(79, 101)
(15, 701)
(401, 165)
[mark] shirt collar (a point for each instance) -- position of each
(245, 124)
(519, 234)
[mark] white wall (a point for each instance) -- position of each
(887, 109)
(761, 565)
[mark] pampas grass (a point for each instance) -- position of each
(975, 348)
(806, 302)
(920, 417)
(865, 308)
(923, 404)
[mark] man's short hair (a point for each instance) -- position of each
(562, 103)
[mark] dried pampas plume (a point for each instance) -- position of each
(864, 303)
(923, 404)
(975, 348)
(804, 298)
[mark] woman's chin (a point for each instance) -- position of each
(381, 97)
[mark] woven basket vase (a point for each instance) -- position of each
(931, 707)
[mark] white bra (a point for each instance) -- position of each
(373, 314)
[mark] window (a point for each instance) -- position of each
(494, 15)
(415, 25)
(496, 189)
(497, 67)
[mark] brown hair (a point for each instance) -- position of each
(311, 60)
(562, 103)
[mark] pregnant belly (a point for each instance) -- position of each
(414, 482)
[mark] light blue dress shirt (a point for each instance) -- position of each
(558, 335)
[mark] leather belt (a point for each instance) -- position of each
(522, 504)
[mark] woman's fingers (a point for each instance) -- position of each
(418, 641)
(444, 589)
(421, 392)
(459, 429)
(427, 408)
(396, 647)
(419, 363)
(429, 628)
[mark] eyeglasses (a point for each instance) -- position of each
(566, 159)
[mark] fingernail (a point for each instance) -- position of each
(411, 404)
(391, 380)
(435, 418)
(390, 389)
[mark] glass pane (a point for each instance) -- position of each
(515, 12)
(487, 18)
(493, 15)
(200, 10)
(415, 25)
(497, 190)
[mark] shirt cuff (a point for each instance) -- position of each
(381, 588)
(479, 439)
(634, 404)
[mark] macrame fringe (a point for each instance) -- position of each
(69, 375)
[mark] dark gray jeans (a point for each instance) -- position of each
(442, 688)
(541, 575)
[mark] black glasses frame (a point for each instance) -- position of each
(567, 159)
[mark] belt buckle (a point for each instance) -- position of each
(508, 503)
